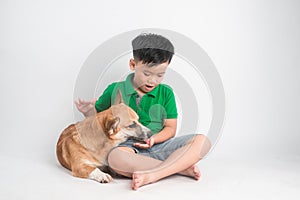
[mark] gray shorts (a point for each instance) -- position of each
(160, 151)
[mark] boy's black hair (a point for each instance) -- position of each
(152, 49)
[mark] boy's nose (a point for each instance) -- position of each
(152, 80)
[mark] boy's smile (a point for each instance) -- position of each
(146, 77)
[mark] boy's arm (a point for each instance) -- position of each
(166, 133)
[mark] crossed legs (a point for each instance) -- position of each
(145, 170)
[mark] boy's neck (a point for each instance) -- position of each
(140, 93)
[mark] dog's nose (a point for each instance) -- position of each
(149, 134)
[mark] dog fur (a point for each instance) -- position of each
(83, 147)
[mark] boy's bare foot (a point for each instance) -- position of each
(192, 172)
(140, 179)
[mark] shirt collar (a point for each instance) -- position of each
(129, 90)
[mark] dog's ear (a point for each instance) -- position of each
(112, 125)
(119, 98)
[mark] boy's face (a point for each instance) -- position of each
(147, 78)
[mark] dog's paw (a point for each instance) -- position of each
(100, 176)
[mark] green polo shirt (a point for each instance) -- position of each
(154, 106)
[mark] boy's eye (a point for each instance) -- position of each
(146, 74)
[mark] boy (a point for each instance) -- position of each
(162, 154)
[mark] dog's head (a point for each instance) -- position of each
(122, 122)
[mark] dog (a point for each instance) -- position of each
(83, 147)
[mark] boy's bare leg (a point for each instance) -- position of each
(125, 162)
(145, 170)
(181, 159)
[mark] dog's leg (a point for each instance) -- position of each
(100, 176)
(85, 169)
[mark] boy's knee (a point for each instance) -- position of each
(203, 138)
(118, 161)
(118, 154)
(204, 142)
(127, 149)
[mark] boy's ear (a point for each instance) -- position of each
(119, 98)
(132, 64)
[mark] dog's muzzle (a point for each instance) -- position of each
(149, 134)
(145, 133)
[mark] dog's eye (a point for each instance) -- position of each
(132, 125)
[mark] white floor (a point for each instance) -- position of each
(222, 178)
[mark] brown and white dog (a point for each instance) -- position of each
(83, 147)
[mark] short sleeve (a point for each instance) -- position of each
(170, 104)
(104, 101)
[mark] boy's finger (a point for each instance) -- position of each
(142, 146)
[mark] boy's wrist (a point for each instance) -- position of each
(153, 140)
(89, 113)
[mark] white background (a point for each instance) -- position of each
(254, 45)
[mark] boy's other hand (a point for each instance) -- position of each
(148, 144)
(85, 107)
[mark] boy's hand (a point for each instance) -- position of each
(148, 143)
(85, 107)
